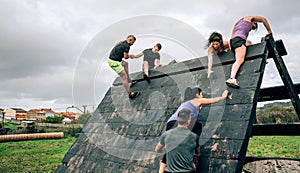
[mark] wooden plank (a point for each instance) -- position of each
(118, 155)
(253, 51)
(139, 117)
(127, 128)
(280, 48)
(276, 130)
(93, 165)
(247, 80)
(152, 99)
(211, 165)
(225, 129)
(271, 93)
(241, 96)
(137, 155)
(253, 159)
(273, 165)
(228, 113)
(224, 166)
(221, 148)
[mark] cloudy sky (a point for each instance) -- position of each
(49, 49)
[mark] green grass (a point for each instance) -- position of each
(274, 146)
(12, 126)
(45, 155)
(33, 156)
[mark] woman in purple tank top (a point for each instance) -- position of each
(193, 101)
(238, 44)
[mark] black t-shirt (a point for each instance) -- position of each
(150, 57)
(117, 53)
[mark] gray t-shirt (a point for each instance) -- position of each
(180, 145)
(150, 57)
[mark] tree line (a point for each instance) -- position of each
(277, 112)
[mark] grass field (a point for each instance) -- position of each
(33, 156)
(12, 126)
(45, 155)
(274, 146)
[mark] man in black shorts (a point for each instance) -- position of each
(151, 59)
(180, 144)
(116, 62)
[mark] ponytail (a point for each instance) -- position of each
(190, 93)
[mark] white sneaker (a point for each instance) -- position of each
(232, 83)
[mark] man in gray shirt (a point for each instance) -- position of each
(180, 144)
(151, 59)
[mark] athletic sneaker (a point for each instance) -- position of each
(146, 78)
(133, 95)
(233, 83)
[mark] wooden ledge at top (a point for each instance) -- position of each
(253, 51)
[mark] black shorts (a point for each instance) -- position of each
(237, 42)
(197, 129)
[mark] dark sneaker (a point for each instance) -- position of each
(232, 83)
(133, 95)
(146, 78)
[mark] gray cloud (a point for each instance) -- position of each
(41, 41)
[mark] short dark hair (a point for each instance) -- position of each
(131, 36)
(158, 45)
(183, 116)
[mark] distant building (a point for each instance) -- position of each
(48, 112)
(66, 121)
(77, 115)
(40, 114)
(35, 114)
(71, 115)
(15, 113)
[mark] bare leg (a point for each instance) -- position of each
(125, 65)
(124, 77)
(146, 68)
(162, 167)
(248, 43)
(240, 53)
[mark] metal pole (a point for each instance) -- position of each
(3, 113)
